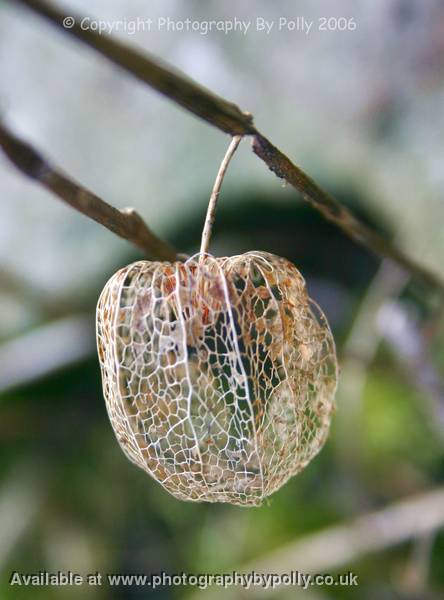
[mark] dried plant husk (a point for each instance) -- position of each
(219, 374)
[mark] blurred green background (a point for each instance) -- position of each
(361, 111)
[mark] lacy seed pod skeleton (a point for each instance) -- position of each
(219, 374)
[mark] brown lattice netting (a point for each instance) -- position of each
(219, 374)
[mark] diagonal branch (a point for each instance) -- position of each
(347, 543)
(125, 223)
(336, 212)
(227, 117)
(186, 92)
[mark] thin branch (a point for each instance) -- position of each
(212, 205)
(335, 212)
(173, 84)
(227, 117)
(347, 543)
(125, 223)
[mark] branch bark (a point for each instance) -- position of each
(227, 117)
(205, 104)
(337, 213)
(125, 223)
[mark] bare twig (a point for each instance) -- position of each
(212, 205)
(335, 212)
(346, 544)
(229, 118)
(125, 223)
(184, 91)
(343, 545)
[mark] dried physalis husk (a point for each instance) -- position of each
(219, 374)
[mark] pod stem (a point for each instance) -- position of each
(212, 204)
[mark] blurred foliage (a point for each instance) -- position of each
(101, 513)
